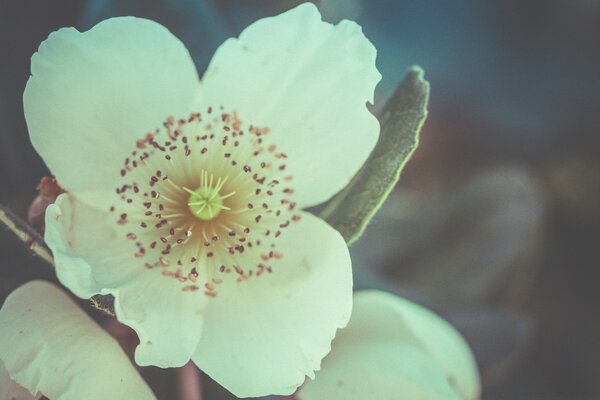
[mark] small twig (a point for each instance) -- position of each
(104, 303)
(35, 243)
(32, 240)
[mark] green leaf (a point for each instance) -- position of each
(401, 119)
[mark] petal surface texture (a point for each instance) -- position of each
(167, 320)
(49, 345)
(308, 82)
(264, 336)
(93, 94)
(393, 349)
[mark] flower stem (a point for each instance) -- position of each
(190, 382)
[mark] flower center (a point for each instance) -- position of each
(206, 202)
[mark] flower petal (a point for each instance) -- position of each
(167, 320)
(51, 346)
(72, 270)
(307, 81)
(93, 94)
(442, 343)
(263, 335)
(11, 390)
(395, 348)
(375, 370)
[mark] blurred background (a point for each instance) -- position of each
(495, 223)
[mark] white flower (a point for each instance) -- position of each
(50, 347)
(394, 349)
(185, 197)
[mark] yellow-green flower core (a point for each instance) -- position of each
(206, 202)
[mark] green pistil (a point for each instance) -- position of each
(206, 202)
